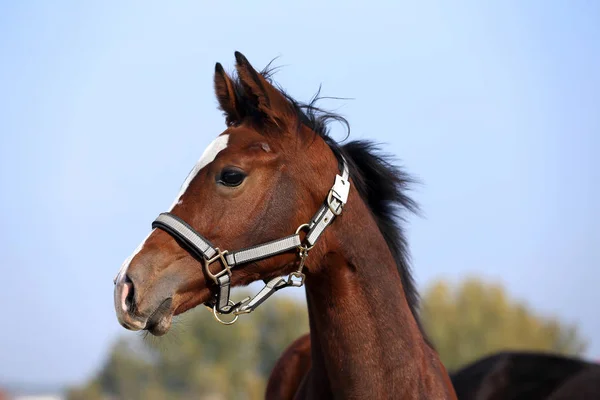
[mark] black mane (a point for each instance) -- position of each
(380, 183)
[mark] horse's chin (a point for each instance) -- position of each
(161, 327)
(160, 321)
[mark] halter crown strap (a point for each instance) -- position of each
(205, 250)
(336, 199)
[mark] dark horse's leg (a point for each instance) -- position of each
(290, 370)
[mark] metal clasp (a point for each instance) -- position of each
(246, 306)
(250, 304)
(226, 268)
(295, 279)
(298, 274)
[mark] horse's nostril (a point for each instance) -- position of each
(127, 296)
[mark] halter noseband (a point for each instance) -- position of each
(199, 246)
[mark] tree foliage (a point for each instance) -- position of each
(201, 359)
(475, 318)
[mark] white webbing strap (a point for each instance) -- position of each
(181, 230)
(263, 250)
(222, 298)
(336, 199)
(202, 247)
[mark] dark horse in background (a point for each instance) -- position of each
(501, 376)
(527, 376)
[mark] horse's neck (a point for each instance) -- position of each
(365, 340)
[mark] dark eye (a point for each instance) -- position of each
(231, 177)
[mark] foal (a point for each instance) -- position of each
(261, 180)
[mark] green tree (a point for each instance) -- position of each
(200, 358)
(475, 318)
(91, 391)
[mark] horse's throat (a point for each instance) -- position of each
(365, 340)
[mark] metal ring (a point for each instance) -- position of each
(216, 315)
(304, 247)
(302, 227)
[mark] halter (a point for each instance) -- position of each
(199, 246)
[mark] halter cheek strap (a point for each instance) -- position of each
(203, 249)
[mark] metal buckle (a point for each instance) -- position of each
(220, 256)
(336, 212)
(339, 191)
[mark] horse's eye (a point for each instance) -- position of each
(231, 177)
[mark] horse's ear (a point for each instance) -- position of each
(266, 98)
(225, 93)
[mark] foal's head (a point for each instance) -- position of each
(261, 178)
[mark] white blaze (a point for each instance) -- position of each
(217, 145)
(125, 264)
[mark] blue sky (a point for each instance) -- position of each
(106, 106)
